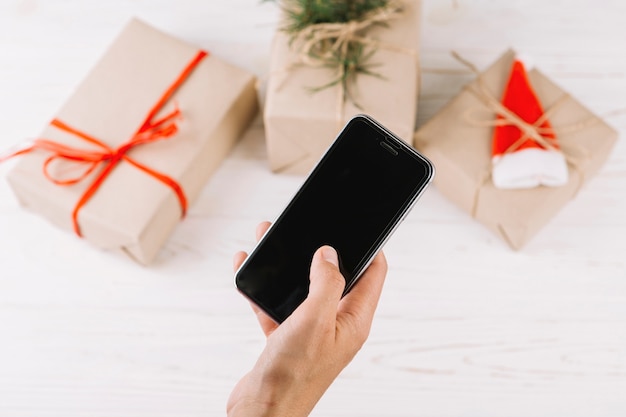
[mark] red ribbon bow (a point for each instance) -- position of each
(151, 130)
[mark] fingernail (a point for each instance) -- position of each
(330, 255)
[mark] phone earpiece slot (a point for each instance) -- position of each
(389, 148)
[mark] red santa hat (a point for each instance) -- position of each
(529, 164)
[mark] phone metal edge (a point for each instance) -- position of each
(388, 236)
(430, 173)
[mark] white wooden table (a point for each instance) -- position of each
(466, 327)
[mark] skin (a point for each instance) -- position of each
(305, 354)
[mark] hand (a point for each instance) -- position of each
(305, 354)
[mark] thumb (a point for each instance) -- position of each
(326, 283)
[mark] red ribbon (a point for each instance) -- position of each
(151, 130)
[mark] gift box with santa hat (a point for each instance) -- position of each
(512, 148)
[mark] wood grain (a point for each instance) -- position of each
(466, 327)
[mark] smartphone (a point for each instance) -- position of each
(353, 200)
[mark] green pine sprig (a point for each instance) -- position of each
(349, 66)
(349, 61)
(302, 13)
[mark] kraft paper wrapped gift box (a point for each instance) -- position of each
(132, 209)
(300, 124)
(461, 151)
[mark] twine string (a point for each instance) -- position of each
(544, 136)
(322, 40)
(318, 43)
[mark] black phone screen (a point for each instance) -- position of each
(352, 200)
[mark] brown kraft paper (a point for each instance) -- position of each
(131, 210)
(300, 124)
(461, 152)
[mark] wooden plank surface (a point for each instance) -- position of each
(466, 327)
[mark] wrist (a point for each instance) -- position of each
(271, 394)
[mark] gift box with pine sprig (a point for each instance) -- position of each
(331, 60)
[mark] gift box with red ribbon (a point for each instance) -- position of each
(136, 142)
(512, 148)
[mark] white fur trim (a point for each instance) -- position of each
(529, 168)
